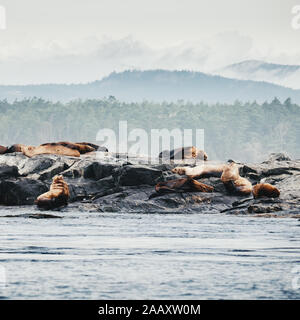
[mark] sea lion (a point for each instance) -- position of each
(183, 153)
(96, 147)
(82, 148)
(3, 150)
(60, 148)
(15, 148)
(265, 190)
(200, 171)
(57, 196)
(182, 185)
(31, 151)
(233, 182)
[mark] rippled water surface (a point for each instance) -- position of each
(148, 256)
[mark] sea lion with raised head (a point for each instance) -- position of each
(233, 182)
(265, 190)
(57, 196)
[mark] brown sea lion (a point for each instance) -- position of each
(265, 190)
(182, 185)
(3, 150)
(96, 147)
(31, 151)
(15, 148)
(57, 196)
(233, 182)
(200, 171)
(183, 153)
(82, 148)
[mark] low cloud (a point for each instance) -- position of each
(93, 58)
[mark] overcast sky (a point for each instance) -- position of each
(83, 40)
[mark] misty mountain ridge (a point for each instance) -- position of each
(156, 85)
(257, 70)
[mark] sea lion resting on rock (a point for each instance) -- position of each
(182, 185)
(96, 147)
(233, 182)
(15, 148)
(265, 190)
(3, 150)
(57, 196)
(183, 153)
(60, 148)
(209, 170)
(47, 148)
(31, 151)
(229, 174)
(82, 148)
(231, 178)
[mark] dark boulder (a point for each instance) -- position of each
(8, 171)
(20, 191)
(91, 169)
(135, 175)
(81, 189)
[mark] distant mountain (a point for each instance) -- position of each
(285, 75)
(157, 85)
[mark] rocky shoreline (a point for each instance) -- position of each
(114, 183)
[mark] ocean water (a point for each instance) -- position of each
(147, 256)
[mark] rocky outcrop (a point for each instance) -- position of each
(115, 183)
(20, 191)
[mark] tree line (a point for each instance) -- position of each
(239, 131)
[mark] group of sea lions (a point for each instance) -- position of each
(63, 148)
(59, 194)
(229, 174)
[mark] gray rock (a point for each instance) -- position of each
(39, 167)
(127, 185)
(36, 165)
(8, 171)
(278, 157)
(135, 175)
(20, 191)
(82, 189)
(14, 159)
(91, 169)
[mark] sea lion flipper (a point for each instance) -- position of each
(199, 186)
